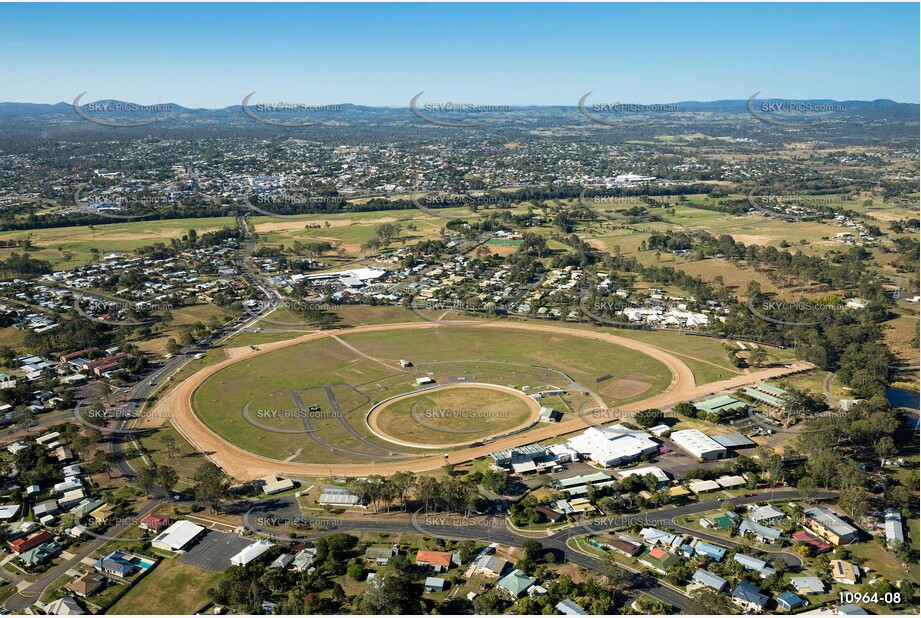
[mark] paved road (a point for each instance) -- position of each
(495, 530)
(133, 398)
(29, 595)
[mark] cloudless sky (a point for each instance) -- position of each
(212, 55)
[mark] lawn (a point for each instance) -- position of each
(362, 368)
(185, 459)
(171, 588)
(68, 247)
(452, 415)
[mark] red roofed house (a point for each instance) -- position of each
(26, 543)
(154, 522)
(438, 560)
(817, 544)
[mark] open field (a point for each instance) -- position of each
(68, 247)
(171, 588)
(299, 403)
(244, 464)
(452, 414)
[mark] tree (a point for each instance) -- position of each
(170, 443)
(758, 357)
(495, 481)
(173, 347)
(103, 462)
(648, 417)
(357, 571)
(807, 488)
(705, 601)
(210, 486)
(618, 577)
(885, 449)
(167, 478)
(402, 483)
(854, 501)
(146, 479)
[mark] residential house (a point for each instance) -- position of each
(516, 583)
(380, 556)
(65, 606)
(659, 559)
(438, 561)
(749, 597)
(86, 585)
(117, 564)
(435, 584)
(570, 608)
(707, 579)
(808, 585)
(829, 526)
(788, 602)
(844, 572)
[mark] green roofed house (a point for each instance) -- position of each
(721, 404)
(86, 507)
(659, 559)
(516, 583)
(41, 554)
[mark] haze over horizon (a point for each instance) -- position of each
(208, 56)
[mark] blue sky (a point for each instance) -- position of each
(209, 55)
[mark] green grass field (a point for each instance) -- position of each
(68, 247)
(356, 370)
(450, 416)
(171, 588)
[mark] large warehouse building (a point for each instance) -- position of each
(611, 446)
(698, 444)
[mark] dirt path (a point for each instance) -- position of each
(243, 465)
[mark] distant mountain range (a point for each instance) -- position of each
(173, 114)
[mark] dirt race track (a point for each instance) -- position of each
(244, 466)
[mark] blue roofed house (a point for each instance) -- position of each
(749, 597)
(709, 580)
(116, 564)
(570, 608)
(754, 564)
(852, 610)
(788, 601)
(435, 584)
(707, 549)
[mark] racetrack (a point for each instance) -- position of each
(243, 465)
(373, 417)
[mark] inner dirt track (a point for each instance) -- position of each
(244, 465)
(375, 412)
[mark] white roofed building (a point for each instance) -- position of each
(611, 446)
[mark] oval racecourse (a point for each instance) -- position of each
(452, 416)
(343, 374)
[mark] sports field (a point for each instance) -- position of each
(453, 415)
(307, 402)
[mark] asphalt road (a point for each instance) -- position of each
(495, 530)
